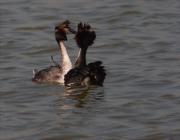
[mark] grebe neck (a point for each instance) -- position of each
(65, 60)
(81, 59)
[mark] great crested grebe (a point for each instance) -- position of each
(85, 74)
(55, 74)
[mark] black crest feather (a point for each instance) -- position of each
(85, 36)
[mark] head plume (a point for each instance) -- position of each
(85, 36)
(62, 29)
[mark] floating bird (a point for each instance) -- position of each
(55, 74)
(85, 74)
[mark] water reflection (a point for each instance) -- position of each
(79, 98)
(84, 97)
(75, 109)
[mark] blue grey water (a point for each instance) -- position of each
(139, 44)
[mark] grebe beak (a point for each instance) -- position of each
(72, 31)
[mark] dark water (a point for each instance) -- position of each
(138, 42)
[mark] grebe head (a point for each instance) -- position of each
(85, 36)
(62, 29)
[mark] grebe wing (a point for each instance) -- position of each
(76, 76)
(97, 73)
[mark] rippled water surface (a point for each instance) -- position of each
(138, 42)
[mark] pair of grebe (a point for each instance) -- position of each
(81, 74)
